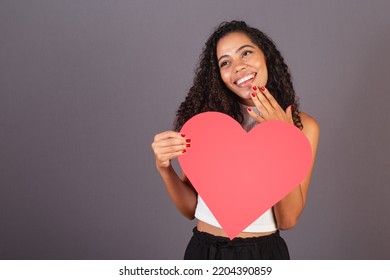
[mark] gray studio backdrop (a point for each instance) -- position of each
(85, 85)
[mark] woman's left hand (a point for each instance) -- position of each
(268, 107)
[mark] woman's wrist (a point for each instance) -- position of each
(165, 170)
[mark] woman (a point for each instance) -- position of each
(242, 74)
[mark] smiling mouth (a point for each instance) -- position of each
(244, 81)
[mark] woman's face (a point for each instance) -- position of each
(241, 64)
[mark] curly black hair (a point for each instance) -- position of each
(209, 92)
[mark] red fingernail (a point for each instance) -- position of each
(292, 107)
(249, 109)
(253, 94)
(188, 140)
(184, 151)
(183, 135)
(188, 145)
(262, 88)
(254, 87)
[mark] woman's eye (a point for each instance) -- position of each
(245, 53)
(223, 64)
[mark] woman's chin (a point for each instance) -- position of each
(246, 96)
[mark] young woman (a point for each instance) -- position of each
(242, 74)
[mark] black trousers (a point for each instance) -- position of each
(205, 246)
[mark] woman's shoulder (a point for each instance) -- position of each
(310, 124)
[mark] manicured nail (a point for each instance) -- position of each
(188, 145)
(249, 109)
(184, 151)
(188, 140)
(291, 107)
(262, 88)
(254, 88)
(182, 135)
(253, 94)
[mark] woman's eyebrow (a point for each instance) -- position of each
(239, 49)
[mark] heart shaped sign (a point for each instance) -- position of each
(241, 175)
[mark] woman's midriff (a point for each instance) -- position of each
(205, 227)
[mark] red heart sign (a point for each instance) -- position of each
(240, 175)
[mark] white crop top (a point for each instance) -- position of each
(265, 222)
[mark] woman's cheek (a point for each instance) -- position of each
(225, 79)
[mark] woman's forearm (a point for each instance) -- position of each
(288, 210)
(182, 194)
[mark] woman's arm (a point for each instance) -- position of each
(181, 192)
(288, 210)
(167, 146)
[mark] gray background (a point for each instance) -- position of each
(85, 85)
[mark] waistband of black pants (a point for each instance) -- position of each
(209, 239)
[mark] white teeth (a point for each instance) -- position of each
(240, 81)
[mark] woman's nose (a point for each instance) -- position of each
(239, 67)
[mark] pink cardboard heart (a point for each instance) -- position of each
(240, 175)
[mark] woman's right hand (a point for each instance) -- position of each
(168, 145)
